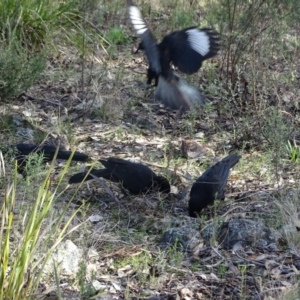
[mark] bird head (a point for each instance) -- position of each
(162, 184)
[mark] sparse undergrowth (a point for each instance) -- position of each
(93, 96)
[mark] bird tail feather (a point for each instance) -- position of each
(77, 156)
(79, 177)
(178, 94)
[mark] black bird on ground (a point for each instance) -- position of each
(211, 184)
(136, 178)
(186, 49)
(21, 152)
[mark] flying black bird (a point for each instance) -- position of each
(21, 152)
(186, 49)
(211, 184)
(136, 178)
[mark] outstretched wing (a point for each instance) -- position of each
(189, 47)
(148, 41)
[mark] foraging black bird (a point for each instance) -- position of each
(211, 184)
(21, 152)
(186, 49)
(136, 178)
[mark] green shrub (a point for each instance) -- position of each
(247, 26)
(293, 152)
(18, 69)
(30, 21)
(117, 36)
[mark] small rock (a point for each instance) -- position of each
(243, 233)
(192, 149)
(95, 218)
(185, 238)
(66, 258)
(98, 285)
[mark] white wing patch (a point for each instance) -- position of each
(198, 40)
(137, 20)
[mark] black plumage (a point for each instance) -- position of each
(21, 151)
(136, 178)
(186, 49)
(211, 184)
